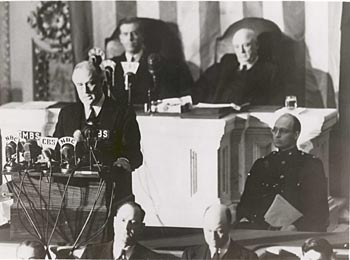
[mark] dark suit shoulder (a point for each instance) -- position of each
(236, 251)
(143, 253)
(98, 251)
(229, 59)
(196, 252)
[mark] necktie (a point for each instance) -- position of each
(132, 59)
(92, 116)
(244, 68)
(122, 255)
(216, 255)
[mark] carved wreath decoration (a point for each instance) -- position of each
(51, 22)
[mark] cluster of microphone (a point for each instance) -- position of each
(65, 153)
(154, 65)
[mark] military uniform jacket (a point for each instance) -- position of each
(235, 251)
(123, 139)
(174, 80)
(296, 176)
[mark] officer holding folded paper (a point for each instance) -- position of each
(107, 127)
(286, 190)
(164, 78)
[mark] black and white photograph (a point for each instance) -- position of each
(202, 130)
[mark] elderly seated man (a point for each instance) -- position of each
(241, 77)
(216, 227)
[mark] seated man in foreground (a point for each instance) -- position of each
(290, 176)
(219, 245)
(128, 225)
(241, 77)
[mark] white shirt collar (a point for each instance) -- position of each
(117, 250)
(248, 65)
(222, 251)
(97, 107)
(137, 56)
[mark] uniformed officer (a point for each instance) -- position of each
(297, 176)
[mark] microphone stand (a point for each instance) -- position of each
(128, 87)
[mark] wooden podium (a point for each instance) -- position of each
(42, 197)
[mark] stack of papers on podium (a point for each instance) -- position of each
(281, 213)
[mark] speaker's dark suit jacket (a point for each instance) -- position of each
(224, 83)
(105, 251)
(123, 139)
(235, 251)
(174, 80)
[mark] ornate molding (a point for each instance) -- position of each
(51, 45)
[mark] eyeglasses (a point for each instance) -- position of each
(282, 131)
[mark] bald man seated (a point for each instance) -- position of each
(241, 77)
(128, 226)
(216, 227)
(293, 175)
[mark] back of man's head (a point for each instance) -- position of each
(317, 249)
(89, 67)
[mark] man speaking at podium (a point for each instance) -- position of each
(119, 145)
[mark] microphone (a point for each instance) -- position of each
(79, 145)
(127, 81)
(90, 135)
(10, 150)
(48, 154)
(96, 56)
(67, 153)
(154, 62)
(109, 67)
(31, 151)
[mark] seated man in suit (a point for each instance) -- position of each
(173, 79)
(241, 77)
(219, 245)
(118, 145)
(296, 176)
(128, 225)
